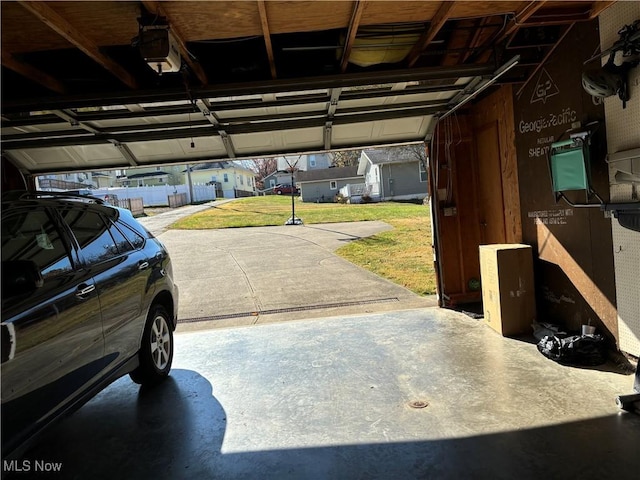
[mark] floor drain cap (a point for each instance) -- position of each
(418, 404)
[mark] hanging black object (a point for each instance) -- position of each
(613, 79)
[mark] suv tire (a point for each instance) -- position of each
(156, 349)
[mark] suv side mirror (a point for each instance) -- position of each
(20, 276)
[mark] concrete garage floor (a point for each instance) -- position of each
(331, 399)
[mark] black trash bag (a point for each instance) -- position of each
(578, 350)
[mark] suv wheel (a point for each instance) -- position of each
(156, 351)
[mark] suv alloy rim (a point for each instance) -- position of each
(160, 342)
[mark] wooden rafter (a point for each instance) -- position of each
(459, 42)
(598, 8)
(63, 28)
(437, 22)
(267, 37)
(351, 33)
(32, 73)
(477, 37)
(156, 8)
(520, 17)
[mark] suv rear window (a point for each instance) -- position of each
(134, 237)
(95, 241)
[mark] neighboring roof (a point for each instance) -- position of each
(210, 166)
(389, 155)
(217, 166)
(381, 156)
(333, 173)
(277, 173)
(145, 175)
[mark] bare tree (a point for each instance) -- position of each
(346, 158)
(261, 166)
(417, 151)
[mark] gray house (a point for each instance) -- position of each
(306, 162)
(276, 178)
(393, 174)
(323, 185)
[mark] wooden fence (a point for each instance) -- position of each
(133, 204)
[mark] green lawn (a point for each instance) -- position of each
(403, 255)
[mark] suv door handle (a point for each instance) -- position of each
(142, 265)
(84, 289)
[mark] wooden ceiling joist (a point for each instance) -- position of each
(62, 27)
(264, 22)
(478, 37)
(437, 22)
(354, 23)
(32, 73)
(156, 8)
(598, 8)
(520, 18)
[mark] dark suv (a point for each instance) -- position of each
(87, 297)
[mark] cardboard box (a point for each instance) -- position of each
(508, 295)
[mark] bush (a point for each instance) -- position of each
(339, 198)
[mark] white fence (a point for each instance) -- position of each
(158, 195)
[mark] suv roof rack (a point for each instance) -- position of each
(62, 195)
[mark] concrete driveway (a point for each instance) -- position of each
(263, 274)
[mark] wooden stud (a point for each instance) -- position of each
(437, 22)
(509, 166)
(32, 73)
(63, 28)
(351, 33)
(156, 8)
(267, 37)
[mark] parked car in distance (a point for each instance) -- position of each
(286, 189)
(87, 297)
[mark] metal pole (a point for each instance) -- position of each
(293, 204)
(190, 183)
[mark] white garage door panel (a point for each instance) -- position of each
(67, 158)
(399, 130)
(261, 143)
(132, 122)
(311, 108)
(167, 150)
(427, 98)
(49, 127)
